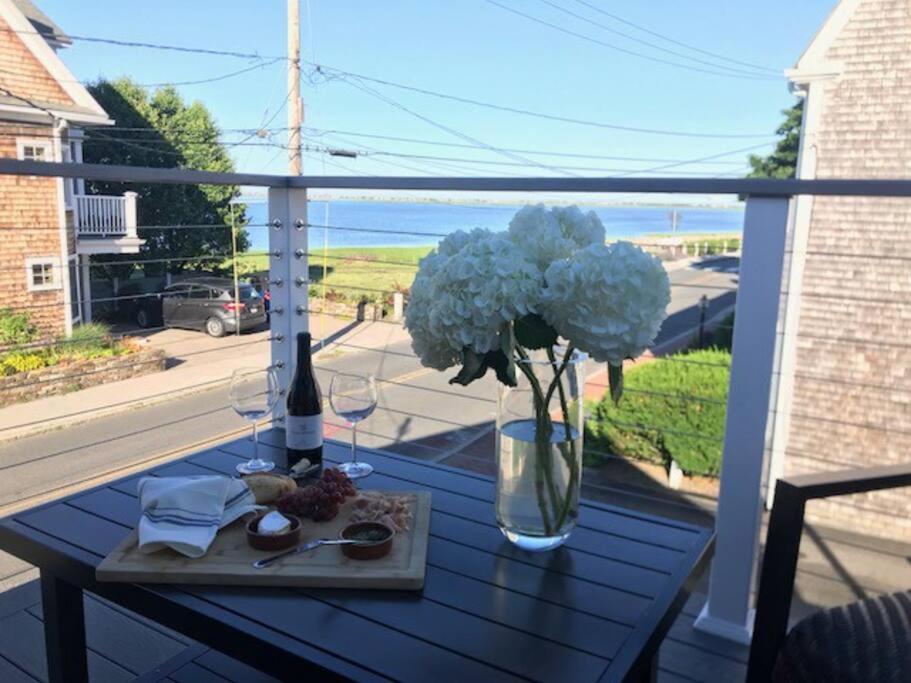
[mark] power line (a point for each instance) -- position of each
(623, 50)
(214, 79)
(509, 163)
(451, 131)
(318, 132)
(646, 42)
(325, 71)
(155, 46)
(675, 42)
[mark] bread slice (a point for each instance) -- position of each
(268, 487)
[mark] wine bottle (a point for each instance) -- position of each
(304, 415)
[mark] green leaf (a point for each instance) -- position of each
(615, 380)
(474, 366)
(533, 332)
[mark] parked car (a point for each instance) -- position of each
(207, 303)
(139, 303)
(261, 282)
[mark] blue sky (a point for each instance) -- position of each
(475, 49)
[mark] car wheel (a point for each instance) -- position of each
(215, 327)
(142, 318)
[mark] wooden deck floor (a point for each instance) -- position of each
(125, 647)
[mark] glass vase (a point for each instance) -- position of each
(539, 449)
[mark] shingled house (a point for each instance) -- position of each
(49, 227)
(845, 390)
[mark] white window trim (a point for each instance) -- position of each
(73, 262)
(54, 262)
(34, 142)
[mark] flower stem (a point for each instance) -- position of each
(571, 460)
(544, 481)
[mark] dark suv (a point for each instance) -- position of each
(207, 303)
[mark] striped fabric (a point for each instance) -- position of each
(185, 513)
(868, 641)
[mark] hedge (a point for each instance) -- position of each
(669, 411)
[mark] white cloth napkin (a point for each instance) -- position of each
(185, 513)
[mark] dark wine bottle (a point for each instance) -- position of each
(304, 415)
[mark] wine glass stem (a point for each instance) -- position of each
(255, 443)
(354, 442)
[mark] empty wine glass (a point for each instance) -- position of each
(254, 392)
(353, 398)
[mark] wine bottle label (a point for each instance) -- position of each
(304, 432)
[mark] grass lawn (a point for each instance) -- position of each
(352, 273)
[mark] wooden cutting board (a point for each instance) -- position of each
(230, 558)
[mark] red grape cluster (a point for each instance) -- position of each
(320, 501)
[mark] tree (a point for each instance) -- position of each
(160, 130)
(782, 163)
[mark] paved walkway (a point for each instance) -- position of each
(196, 362)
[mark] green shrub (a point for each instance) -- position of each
(16, 328)
(669, 411)
(15, 362)
(90, 340)
(723, 336)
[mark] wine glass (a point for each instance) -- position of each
(353, 398)
(254, 392)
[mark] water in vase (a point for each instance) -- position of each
(529, 517)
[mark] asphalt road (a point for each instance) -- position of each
(418, 413)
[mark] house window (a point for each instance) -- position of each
(42, 273)
(35, 150)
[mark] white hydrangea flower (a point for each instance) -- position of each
(609, 301)
(548, 235)
(464, 292)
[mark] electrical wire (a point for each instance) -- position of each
(451, 131)
(633, 53)
(676, 42)
(648, 43)
(317, 132)
(325, 70)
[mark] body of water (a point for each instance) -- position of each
(395, 224)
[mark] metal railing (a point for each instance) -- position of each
(756, 336)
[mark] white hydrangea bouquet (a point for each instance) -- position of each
(486, 300)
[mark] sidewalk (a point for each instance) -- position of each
(196, 362)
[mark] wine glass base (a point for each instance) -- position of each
(356, 470)
(253, 466)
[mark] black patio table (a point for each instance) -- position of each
(596, 609)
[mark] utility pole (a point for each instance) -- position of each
(295, 105)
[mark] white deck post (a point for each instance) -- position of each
(287, 281)
(130, 221)
(728, 613)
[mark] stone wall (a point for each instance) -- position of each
(852, 392)
(75, 375)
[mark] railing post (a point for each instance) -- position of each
(288, 277)
(129, 213)
(727, 612)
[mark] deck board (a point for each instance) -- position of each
(22, 642)
(686, 655)
(112, 632)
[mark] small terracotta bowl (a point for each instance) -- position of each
(273, 541)
(367, 551)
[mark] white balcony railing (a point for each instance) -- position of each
(105, 216)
